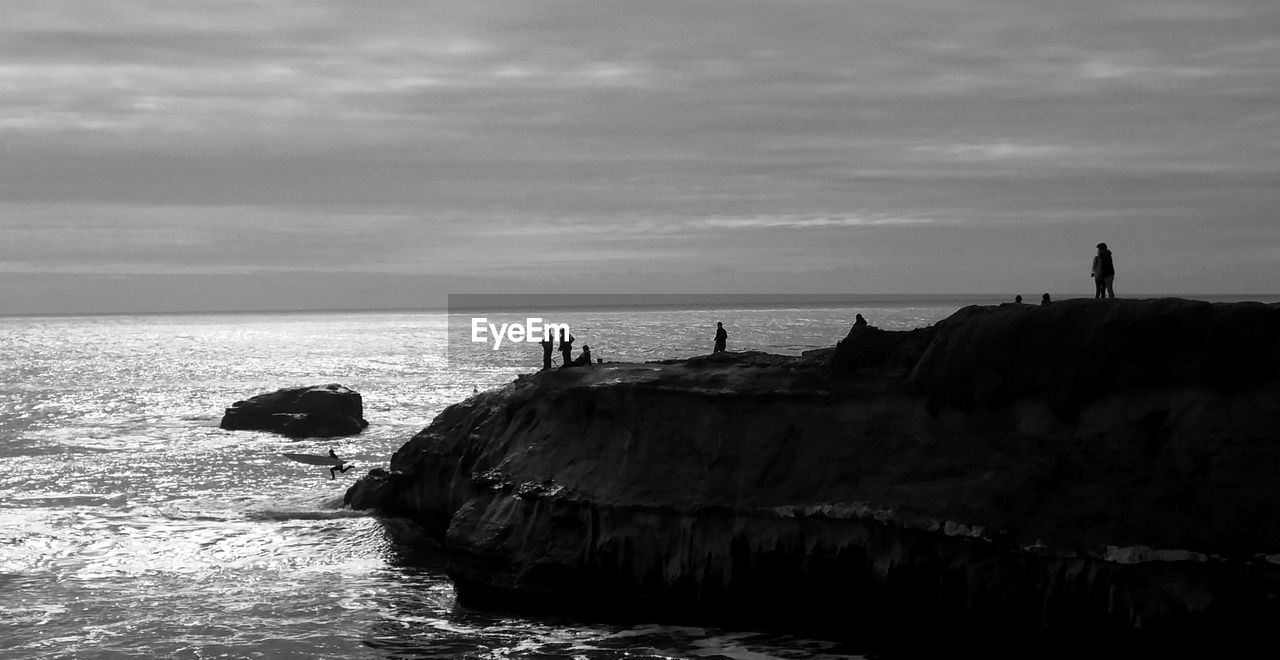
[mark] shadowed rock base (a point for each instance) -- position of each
(1082, 477)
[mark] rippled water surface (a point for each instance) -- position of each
(132, 526)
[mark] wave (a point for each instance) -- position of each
(66, 499)
(284, 514)
(304, 508)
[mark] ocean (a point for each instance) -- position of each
(131, 526)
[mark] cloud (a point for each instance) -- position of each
(802, 222)
(996, 151)
(403, 136)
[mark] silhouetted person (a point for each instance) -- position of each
(340, 467)
(1044, 300)
(1103, 273)
(1017, 300)
(583, 359)
(566, 348)
(721, 338)
(858, 321)
(548, 346)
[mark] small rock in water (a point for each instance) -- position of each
(302, 412)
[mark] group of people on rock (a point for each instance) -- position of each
(1044, 300)
(1103, 273)
(548, 344)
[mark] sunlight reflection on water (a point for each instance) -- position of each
(132, 526)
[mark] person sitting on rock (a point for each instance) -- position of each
(858, 321)
(583, 360)
(341, 466)
(1044, 300)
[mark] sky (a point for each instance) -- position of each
(165, 155)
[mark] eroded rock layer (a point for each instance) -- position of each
(1082, 466)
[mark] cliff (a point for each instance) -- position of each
(1085, 467)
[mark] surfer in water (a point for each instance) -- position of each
(342, 466)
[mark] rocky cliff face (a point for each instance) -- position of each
(1084, 466)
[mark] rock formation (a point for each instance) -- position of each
(1074, 469)
(302, 412)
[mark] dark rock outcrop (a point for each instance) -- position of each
(1075, 469)
(302, 412)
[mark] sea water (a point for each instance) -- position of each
(132, 526)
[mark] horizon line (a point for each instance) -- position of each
(652, 301)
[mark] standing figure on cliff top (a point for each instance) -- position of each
(1103, 273)
(566, 348)
(721, 338)
(548, 344)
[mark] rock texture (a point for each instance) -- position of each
(1075, 469)
(319, 411)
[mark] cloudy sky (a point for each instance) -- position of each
(302, 154)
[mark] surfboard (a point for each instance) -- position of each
(313, 459)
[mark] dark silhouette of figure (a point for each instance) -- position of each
(1017, 299)
(1103, 273)
(721, 338)
(341, 467)
(548, 345)
(583, 359)
(566, 349)
(1044, 300)
(858, 321)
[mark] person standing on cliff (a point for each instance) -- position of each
(548, 344)
(721, 338)
(1103, 273)
(566, 348)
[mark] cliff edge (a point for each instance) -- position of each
(1081, 467)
